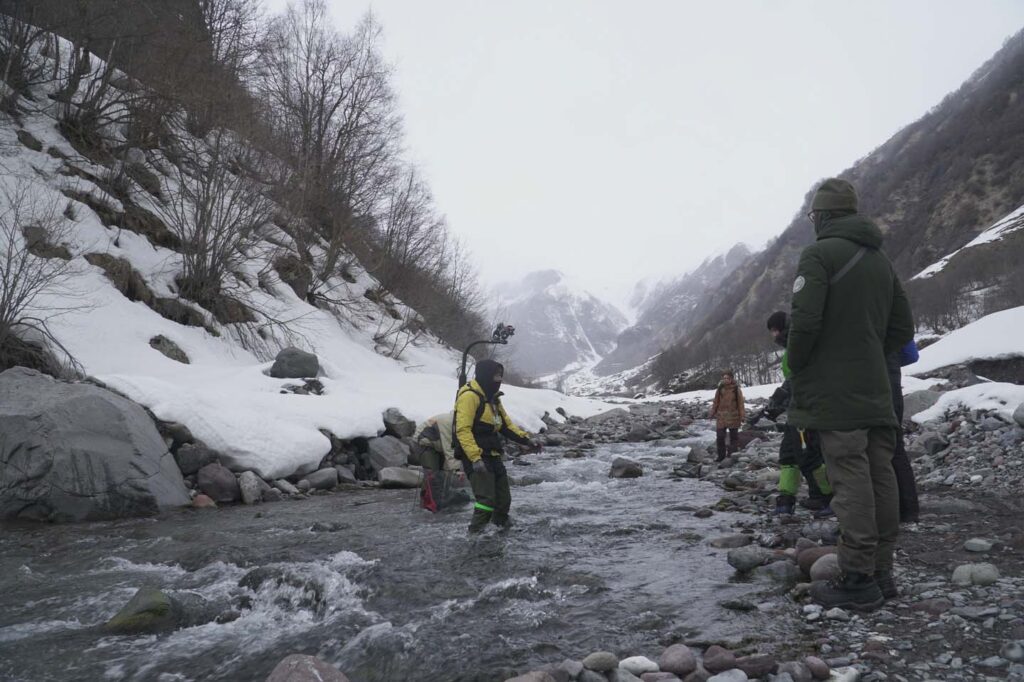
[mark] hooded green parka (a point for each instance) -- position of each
(842, 329)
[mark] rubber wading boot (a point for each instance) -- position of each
(851, 591)
(824, 513)
(816, 502)
(886, 584)
(784, 504)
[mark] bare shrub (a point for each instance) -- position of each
(332, 109)
(32, 287)
(214, 212)
(19, 67)
(89, 103)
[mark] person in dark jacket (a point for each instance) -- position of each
(909, 506)
(728, 411)
(849, 312)
(800, 451)
(480, 425)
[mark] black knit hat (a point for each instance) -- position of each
(835, 195)
(778, 320)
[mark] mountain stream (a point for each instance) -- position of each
(381, 589)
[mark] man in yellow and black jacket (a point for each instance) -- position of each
(480, 424)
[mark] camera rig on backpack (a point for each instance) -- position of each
(499, 337)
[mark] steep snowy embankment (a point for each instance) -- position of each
(223, 394)
(996, 336)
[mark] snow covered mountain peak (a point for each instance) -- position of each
(559, 325)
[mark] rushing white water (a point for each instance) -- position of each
(383, 590)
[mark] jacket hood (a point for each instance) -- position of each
(484, 375)
(855, 228)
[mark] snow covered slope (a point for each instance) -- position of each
(224, 393)
(998, 231)
(560, 328)
(994, 337)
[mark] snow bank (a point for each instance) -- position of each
(1000, 397)
(228, 401)
(996, 336)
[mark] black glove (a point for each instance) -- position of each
(479, 467)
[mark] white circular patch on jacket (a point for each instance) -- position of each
(798, 284)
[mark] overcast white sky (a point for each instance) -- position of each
(621, 140)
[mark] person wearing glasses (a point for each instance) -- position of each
(849, 312)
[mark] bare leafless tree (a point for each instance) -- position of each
(412, 234)
(216, 207)
(94, 95)
(330, 102)
(235, 32)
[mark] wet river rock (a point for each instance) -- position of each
(76, 452)
(625, 468)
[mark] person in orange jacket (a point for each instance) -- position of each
(728, 412)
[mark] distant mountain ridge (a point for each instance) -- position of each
(667, 309)
(932, 188)
(559, 326)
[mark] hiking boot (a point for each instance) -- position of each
(851, 591)
(816, 502)
(886, 584)
(824, 513)
(784, 505)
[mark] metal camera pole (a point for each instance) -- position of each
(499, 337)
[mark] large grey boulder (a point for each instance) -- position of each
(219, 483)
(919, 401)
(387, 452)
(250, 488)
(396, 424)
(191, 457)
(76, 452)
(397, 477)
(149, 610)
(293, 363)
(614, 413)
(1018, 415)
(625, 468)
(678, 659)
(323, 479)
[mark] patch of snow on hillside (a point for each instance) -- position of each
(1011, 223)
(1000, 397)
(996, 336)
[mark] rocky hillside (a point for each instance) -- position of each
(559, 327)
(667, 310)
(933, 188)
